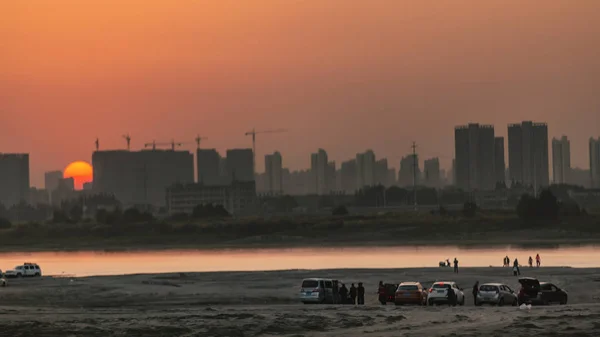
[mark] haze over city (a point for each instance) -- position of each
(343, 76)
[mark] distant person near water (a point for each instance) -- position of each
(506, 261)
(455, 265)
(516, 267)
(360, 291)
(530, 262)
(538, 260)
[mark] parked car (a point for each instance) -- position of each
(24, 270)
(438, 293)
(410, 293)
(536, 292)
(496, 294)
(318, 290)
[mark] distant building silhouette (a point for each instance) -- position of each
(431, 173)
(499, 162)
(528, 154)
(14, 178)
(595, 162)
(474, 146)
(561, 160)
(365, 169)
(208, 163)
(381, 173)
(319, 170)
(140, 177)
(237, 197)
(51, 180)
(348, 177)
(273, 172)
(407, 167)
(240, 164)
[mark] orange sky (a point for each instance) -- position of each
(342, 75)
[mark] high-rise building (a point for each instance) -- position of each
(499, 163)
(381, 173)
(431, 173)
(14, 178)
(319, 169)
(474, 153)
(240, 165)
(51, 180)
(348, 176)
(391, 177)
(273, 170)
(207, 166)
(528, 162)
(141, 177)
(561, 160)
(331, 177)
(365, 169)
(595, 162)
(407, 174)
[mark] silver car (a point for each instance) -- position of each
(318, 290)
(496, 294)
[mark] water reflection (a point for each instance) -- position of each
(122, 262)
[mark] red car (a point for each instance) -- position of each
(411, 293)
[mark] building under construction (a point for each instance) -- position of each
(141, 177)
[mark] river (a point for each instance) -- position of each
(93, 263)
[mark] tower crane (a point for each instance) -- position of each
(198, 140)
(253, 133)
(128, 139)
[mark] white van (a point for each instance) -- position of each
(319, 290)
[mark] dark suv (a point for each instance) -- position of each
(536, 292)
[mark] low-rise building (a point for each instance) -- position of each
(237, 197)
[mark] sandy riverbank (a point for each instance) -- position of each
(265, 304)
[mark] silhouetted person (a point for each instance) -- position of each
(361, 293)
(353, 293)
(448, 263)
(538, 260)
(381, 293)
(475, 291)
(530, 262)
(516, 265)
(506, 261)
(451, 296)
(455, 265)
(343, 294)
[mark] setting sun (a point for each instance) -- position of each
(80, 171)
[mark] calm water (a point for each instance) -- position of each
(114, 263)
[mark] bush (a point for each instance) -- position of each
(545, 207)
(5, 223)
(209, 211)
(340, 210)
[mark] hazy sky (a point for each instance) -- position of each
(342, 75)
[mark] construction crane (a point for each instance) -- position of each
(253, 133)
(173, 144)
(198, 139)
(128, 139)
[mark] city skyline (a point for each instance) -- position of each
(362, 75)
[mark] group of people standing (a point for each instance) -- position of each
(516, 270)
(350, 296)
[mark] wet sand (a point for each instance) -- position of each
(266, 304)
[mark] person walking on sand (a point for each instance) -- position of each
(516, 265)
(361, 293)
(353, 294)
(538, 260)
(530, 262)
(451, 296)
(507, 261)
(455, 266)
(475, 291)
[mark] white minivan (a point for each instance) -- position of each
(318, 290)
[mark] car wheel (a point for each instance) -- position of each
(501, 302)
(462, 302)
(430, 303)
(563, 301)
(37, 275)
(515, 303)
(19, 275)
